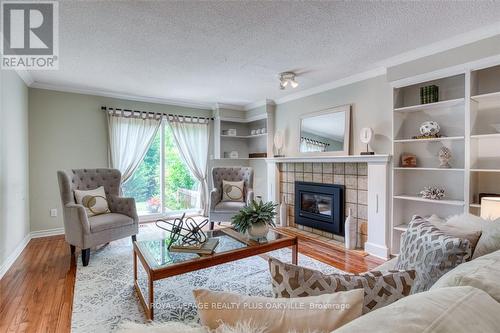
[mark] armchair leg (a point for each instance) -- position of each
(85, 256)
(134, 238)
(72, 248)
(211, 227)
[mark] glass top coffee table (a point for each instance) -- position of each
(159, 263)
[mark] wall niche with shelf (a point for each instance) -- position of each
(253, 135)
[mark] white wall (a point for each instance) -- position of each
(371, 107)
(14, 203)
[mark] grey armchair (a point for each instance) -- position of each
(223, 211)
(84, 231)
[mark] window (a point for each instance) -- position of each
(179, 189)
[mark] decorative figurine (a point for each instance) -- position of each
(430, 129)
(366, 135)
(408, 160)
(187, 230)
(444, 157)
(432, 192)
(279, 143)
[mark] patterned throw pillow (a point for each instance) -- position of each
(94, 201)
(232, 191)
(380, 288)
(430, 252)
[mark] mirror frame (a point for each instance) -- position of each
(347, 133)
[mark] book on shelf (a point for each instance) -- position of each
(204, 248)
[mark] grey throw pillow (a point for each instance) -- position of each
(380, 288)
(430, 252)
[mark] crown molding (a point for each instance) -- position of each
(255, 105)
(25, 76)
(442, 45)
(95, 92)
(332, 85)
(230, 106)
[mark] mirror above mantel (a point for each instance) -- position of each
(325, 132)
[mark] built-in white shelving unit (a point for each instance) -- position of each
(244, 142)
(485, 135)
(409, 114)
(468, 112)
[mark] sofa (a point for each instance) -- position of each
(465, 299)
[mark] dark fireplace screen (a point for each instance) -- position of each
(320, 206)
(316, 203)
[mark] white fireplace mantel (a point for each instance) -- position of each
(378, 240)
(332, 159)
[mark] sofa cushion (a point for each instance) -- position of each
(94, 201)
(308, 314)
(380, 288)
(454, 309)
(430, 252)
(229, 206)
(482, 273)
(109, 221)
(490, 232)
(387, 266)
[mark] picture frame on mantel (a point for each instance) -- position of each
(325, 132)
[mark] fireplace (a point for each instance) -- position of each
(320, 206)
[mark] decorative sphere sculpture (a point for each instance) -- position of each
(429, 128)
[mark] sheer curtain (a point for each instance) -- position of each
(192, 136)
(129, 139)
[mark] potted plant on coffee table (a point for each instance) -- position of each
(255, 219)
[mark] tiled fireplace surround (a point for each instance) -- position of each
(352, 175)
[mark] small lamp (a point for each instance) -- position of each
(490, 208)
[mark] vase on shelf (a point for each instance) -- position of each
(350, 234)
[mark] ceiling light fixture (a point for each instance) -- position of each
(288, 78)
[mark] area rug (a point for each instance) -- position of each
(105, 297)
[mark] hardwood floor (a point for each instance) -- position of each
(36, 294)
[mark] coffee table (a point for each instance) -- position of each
(159, 263)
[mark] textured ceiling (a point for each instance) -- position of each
(231, 52)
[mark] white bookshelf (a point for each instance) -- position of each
(485, 136)
(468, 112)
(408, 115)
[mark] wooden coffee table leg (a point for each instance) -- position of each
(148, 306)
(295, 254)
(151, 298)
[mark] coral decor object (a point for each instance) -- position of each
(444, 157)
(433, 193)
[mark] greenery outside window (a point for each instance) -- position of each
(162, 193)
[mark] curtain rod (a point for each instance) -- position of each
(314, 141)
(105, 108)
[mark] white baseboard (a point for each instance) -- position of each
(46, 233)
(22, 245)
(14, 255)
(376, 250)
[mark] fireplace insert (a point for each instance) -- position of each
(320, 206)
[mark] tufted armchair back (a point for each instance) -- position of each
(88, 179)
(233, 174)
